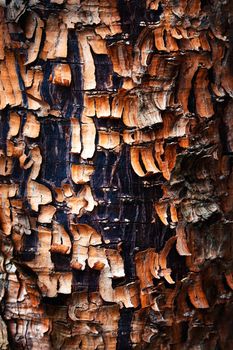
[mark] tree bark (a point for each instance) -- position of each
(116, 203)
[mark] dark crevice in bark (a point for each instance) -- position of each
(85, 280)
(103, 71)
(132, 14)
(123, 337)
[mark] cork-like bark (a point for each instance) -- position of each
(116, 194)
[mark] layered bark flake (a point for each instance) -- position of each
(116, 180)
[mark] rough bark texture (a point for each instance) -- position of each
(116, 203)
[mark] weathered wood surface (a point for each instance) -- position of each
(116, 174)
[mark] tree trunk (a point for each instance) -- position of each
(116, 174)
